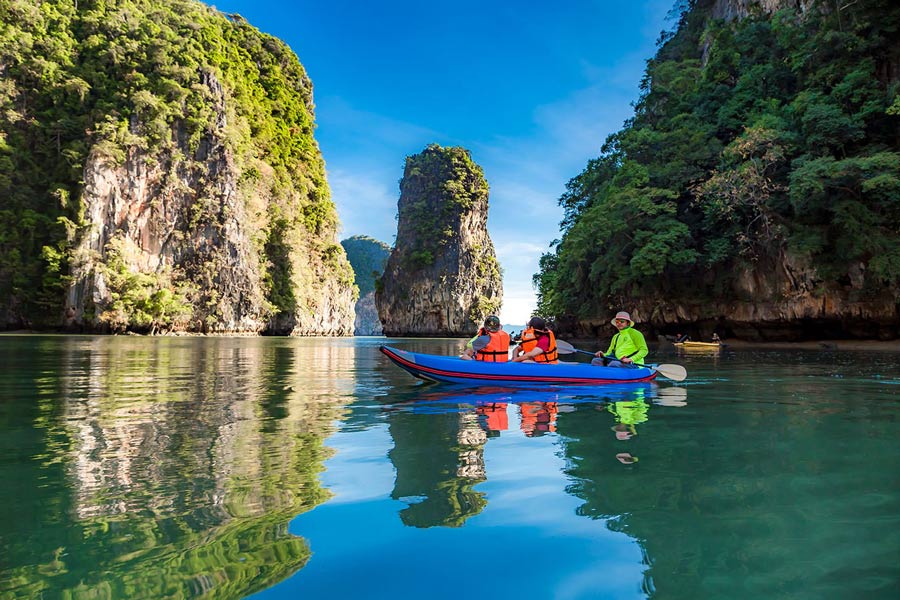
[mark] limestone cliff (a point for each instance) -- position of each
(754, 192)
(442, 277)
(185, 190)
(784, 300)
(729, 10)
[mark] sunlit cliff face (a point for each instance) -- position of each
(738, 9)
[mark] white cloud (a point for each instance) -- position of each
(365, 204)
(366, 134)
(517, 253)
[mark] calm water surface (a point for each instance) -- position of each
(288, 468)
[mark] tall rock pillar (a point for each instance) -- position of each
(442, 277)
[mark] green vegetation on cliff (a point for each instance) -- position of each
(751, 139)
(110, 78)
(444, 182)
(442, 277)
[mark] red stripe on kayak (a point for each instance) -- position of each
(535, 379)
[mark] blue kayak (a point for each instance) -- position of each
(451, 369)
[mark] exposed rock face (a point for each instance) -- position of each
(184, 188)
(146, 202)
(442, 278)
(785, 302)
(730, 10)
(367, 322)
(190, 221)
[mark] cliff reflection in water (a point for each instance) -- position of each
(176, 464)
(745, 507)
(439, 457)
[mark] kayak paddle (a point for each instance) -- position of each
(673, 372)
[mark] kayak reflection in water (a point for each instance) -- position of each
(628, 414)
(536, 418)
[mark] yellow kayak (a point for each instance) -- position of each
(699, 344)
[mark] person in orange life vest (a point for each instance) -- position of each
(490, 344)
(538, 343)
(627, 346)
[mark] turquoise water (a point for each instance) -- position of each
(282, 468)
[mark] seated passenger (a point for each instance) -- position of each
(490, 344)
(538, 344)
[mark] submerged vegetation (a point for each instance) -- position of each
(754, 139)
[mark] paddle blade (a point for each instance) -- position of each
(563, 347)
(673, 372)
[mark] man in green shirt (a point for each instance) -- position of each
(627, 346)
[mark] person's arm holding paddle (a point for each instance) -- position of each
(627, 346)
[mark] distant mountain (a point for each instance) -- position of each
(368, 257)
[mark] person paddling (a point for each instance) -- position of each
(627, 346)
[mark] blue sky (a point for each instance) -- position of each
(531, 89)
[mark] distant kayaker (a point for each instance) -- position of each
(627, 346)
(538, 343)
(490, 344)
(681, 338)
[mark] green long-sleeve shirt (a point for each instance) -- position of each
(629, 343)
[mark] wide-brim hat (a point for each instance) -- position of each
(622, 315)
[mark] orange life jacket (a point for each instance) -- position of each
(530, 340)
(497, 349)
